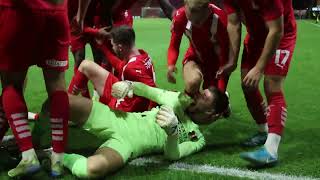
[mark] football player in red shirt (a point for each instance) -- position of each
(206, 27)
(135, 65)
(46, 45)
(268, 49)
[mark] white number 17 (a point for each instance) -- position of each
(285, 58)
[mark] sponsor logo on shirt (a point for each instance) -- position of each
(56, 63)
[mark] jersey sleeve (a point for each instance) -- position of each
(114, 60)
(91, 31)
(160, 96)
(177, 30)
(229, 6)
(174, 151)
(271, 9)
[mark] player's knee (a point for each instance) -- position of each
(273, 84)
(85, 64)
(97, 167)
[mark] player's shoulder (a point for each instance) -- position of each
(141, 60)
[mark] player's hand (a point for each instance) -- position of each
(167, 120)
(103, 33)
(253, 77)
(122, 89)
(74, 27)
(226, 70)
(170, 74)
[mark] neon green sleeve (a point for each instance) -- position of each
(174, 151)
(157, 95)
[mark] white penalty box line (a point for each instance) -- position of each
(209, 169)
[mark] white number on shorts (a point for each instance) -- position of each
(285, 58)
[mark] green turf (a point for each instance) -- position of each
(300, 147)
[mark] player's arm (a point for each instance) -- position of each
(174, 47)
(91, 31)
(168, 121)
(115, 62)
(174, 151)
(82, 11)
(167, 8)
(227, 56)
(157, 95)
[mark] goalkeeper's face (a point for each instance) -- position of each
(201, 110)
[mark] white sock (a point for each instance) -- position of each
(263, 127)
(29, 155)
(55, 157)
(31, 115)
(272, 144)
(7, 138)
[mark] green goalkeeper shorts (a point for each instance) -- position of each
(110, 126)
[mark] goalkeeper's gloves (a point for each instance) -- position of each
(167, 120)
(122, 89)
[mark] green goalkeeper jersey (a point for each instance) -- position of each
(136, 134)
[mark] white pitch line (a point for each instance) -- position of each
(209, 169)
(313, 24)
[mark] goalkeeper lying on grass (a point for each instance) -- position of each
(169, 129)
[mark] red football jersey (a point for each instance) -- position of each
(256, 12)
(210, 41)
(139, 68)
(36, 4)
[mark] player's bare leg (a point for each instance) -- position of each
(59, 116)
(95, 73)
(192, 77)
(100, 58)
(104, 161)
(257, 108)
(16, 112)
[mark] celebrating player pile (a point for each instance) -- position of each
(171, 128)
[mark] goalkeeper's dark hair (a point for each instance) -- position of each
(123, 35)
(221, 101)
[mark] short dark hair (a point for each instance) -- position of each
(123, 35)
(221, 101)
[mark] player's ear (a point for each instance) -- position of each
(120, 47)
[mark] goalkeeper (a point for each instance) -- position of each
(168, 129)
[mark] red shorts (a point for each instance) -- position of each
(29, 38)
(278, 65)
(208, 70)
(123, 18)
(134, 104)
